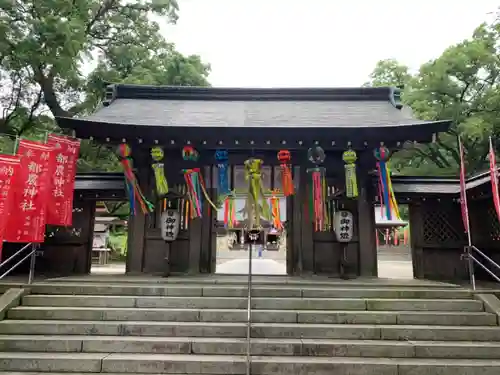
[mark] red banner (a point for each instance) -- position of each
(60, 211)
(463, 192)
(9, 171)
(494, 180)
(31, 194)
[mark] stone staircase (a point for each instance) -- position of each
(199, 328)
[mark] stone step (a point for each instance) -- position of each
(241, 291)
(258, 316)
(215, 365)
(257, 303)
(259, 347)
(259, 330)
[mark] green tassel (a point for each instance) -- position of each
(160, 179)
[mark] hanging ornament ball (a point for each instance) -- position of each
(381, 153)
(284, 156)
(157, 154)
(349, 157)
(189, 153)
(221, 156)
(316, 155)
(124, 151)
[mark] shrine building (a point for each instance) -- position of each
(255, 123)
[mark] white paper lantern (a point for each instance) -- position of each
(170, 220)
(343, 223)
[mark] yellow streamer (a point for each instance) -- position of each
(256, 199)
(160, 179)
(207, 197)
(351, 184)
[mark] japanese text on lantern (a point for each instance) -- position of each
(27, 223)
(63, 178)
(8, 170)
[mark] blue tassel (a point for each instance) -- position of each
(131, 196)
(385, 190)
(222, 158)
(223, 179)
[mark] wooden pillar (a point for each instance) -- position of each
(366, 230)
(306, 227)
(416, 239)
(294, 232)
(137, 222)
(366, 217)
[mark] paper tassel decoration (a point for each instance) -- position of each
(351, 183)
(286, 173)
(317, 186)
(196, 191)
(159, 172)
(388, 201)
(229, 212)
(222, 158)
(256, 204)
(133, 189)
(275, 210)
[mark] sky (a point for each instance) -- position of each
(318, 43)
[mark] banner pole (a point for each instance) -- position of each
(465, 216)
(16, 145)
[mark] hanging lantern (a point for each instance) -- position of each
(196, 191)
(317, 186)
(316, 155)
(159, 171)
(351, 185)
(386, 193)
(286, 173)
(256, 203)
(169, 223)
(189, 153)
(222, 158)
(124, 154)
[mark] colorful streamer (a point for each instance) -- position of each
(256, 205)
(159, 172)
(275, 210)
(196, 191)
(318, 188)
(317, 201)
(134, 191)
(222, 158)
(229, 212)
(386, 193)
(286, 173)
(351, 182)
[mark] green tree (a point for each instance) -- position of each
(46, 46)
(462, 85)
(389, 72)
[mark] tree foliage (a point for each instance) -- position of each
(461, 85)
(56, 55)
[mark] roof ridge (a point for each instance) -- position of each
(129, 91)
